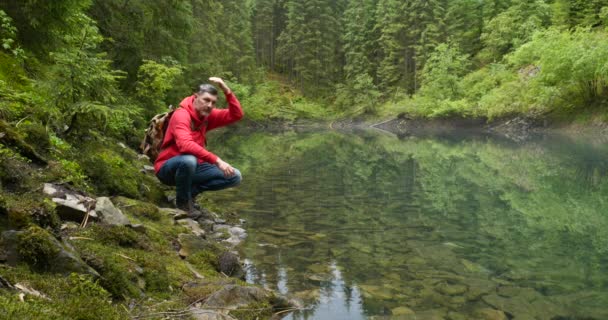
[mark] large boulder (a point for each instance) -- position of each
(39, 248)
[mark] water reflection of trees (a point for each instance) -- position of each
(372, 204)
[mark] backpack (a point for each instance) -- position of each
(155, 134)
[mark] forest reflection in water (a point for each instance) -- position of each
(366, 225)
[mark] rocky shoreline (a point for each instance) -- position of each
(210, 237)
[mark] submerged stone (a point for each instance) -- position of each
(489, 314)
(452, 289)
(400, 311)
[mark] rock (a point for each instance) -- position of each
(138, 227)
(219, 221)
(479, 287)
(109, 214)
(401, 311)
(456, 316)
(4, 284)
(202, 314)
(64, 259)
(230, 265)
(437, 314)
(193, 226)
(489, 314)
(452, 289)
(70, 209)
(33, 292)
(238, 232)
(53, 190)
(148, 168)
(170, 211)
(528, 305)
(206, 224)
(235, 296)
(219, 227)
(191, 244)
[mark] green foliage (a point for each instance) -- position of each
(272, 100)
(81, 81)
(359, 95)
(154, 81)
(442, 73)
(8, 35)
(512, 28)
(35, 247)
(572, 66)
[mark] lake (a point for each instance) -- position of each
(368, 225)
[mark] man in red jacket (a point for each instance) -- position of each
(184, 160)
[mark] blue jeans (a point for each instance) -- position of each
(191, 178)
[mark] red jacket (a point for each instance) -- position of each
(181, 136)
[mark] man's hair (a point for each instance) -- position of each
(207, 88)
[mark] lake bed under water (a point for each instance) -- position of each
(366, 225)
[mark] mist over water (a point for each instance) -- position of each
(369, 226)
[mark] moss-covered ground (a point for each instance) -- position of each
(141, 273)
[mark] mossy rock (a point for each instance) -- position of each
(118, 274)
(13, 139)
(42, 252)
(115, 171)
(137, 208)
(26, 209)
(15, 172)
(35, 135)
(35, 246)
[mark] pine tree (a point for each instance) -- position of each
(426, 25)
(40, 22)
(587, 12)
(358, 38)
(358, 91)
(238, 51)
(396, 44)
(309, 44)
(464, 23)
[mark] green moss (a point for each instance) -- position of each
(200, 291)
(205, 261)
(114, 170)
(119, 235)
(36, 247)
(19, 218)
(29, 208)
(118, 274)
(73, 297)
(155, 274)
(35, 134)
(138, 208)
(260, 310)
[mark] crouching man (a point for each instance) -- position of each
(184, 161)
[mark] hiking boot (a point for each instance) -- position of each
(190, 211)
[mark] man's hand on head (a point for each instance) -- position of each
(220, 83)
